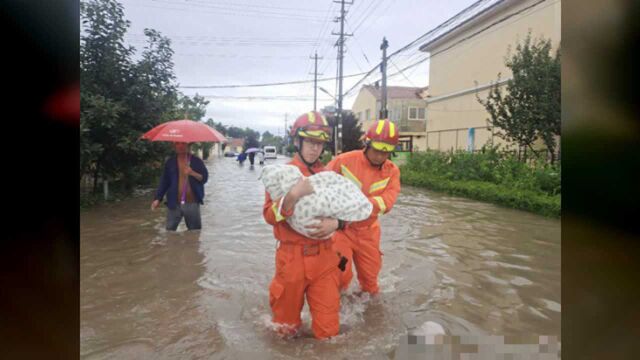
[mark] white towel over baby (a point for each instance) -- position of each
(334, 196)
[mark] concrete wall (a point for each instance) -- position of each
(455, 70)
(365, 101)
(399, 113)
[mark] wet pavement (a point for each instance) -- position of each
(145, 293)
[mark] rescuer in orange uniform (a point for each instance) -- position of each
(379, 180)
(304, 265)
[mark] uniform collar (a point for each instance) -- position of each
(316, 168)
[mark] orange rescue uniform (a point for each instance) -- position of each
(359, 242)
(303, 265)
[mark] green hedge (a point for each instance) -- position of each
(489, 175)
(547, 205)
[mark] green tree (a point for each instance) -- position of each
(122, 99)
(105, 67)
(235, 132)
(351, 132)
(193, 108)
(251, 140)
(269, 139)
(530, 109)
(266, 138)
(218, 126)
(151, 100)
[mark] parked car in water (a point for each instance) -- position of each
(270, 152)
(229, 154)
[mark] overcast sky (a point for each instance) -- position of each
(219, 42)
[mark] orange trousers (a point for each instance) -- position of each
(361, 246)
(315, 275)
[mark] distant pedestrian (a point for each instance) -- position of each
(261, 157)
(242, 157)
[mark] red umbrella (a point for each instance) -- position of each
(188, 131)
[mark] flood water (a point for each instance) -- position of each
(145, 293)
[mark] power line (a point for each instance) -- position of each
(417, 40)
(340, 45)
(263, 85)
(364, 18)
(245, 6)
(229, 38)
(196, 4)
(231, 42)
(243, 14)
(454, 44)
(422, 37)
(325, 44)
(354, 59)
(235, 56)
(359, 45)
(275, 97)
(366, 13)
(405, 76)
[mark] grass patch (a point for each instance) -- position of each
(489, 176)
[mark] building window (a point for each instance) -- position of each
(360, 116)
(368, 114)
(416, 113)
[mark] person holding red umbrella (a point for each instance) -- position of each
(183, 182)
(184, 174)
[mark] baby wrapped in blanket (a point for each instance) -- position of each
(334, 196)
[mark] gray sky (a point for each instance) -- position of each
(219, 42)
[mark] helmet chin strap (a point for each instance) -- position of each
(369, 160)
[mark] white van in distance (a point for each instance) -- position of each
(270, 152)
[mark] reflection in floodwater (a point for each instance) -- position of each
(450, 264)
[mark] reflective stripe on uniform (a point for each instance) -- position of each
(381, 204)
(379, 185)
(349, 175)
(276, 211)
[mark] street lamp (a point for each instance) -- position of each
(326, 92)
(336, 130)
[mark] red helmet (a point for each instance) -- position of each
(382, 135)
(311, 125)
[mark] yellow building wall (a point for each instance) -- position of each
(479, 59)
(420, 142)
(365, 101)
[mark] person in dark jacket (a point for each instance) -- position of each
(183, 182)
(242, 157)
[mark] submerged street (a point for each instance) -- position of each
(472, 267)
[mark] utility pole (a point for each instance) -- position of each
(383, 68)
(340, 45)
(315, 82)
(286, 134)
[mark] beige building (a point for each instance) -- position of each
(474, 52)
(406, 109)
(235, 145)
